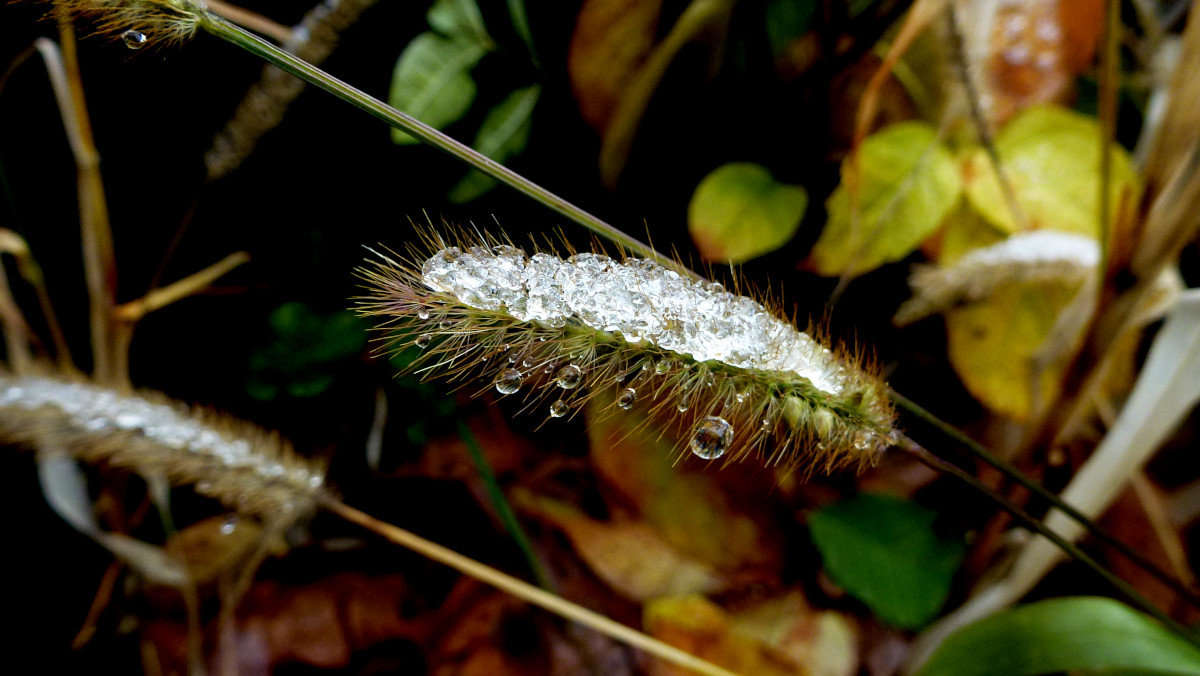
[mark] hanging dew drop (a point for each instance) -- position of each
(569, 377)
(662, 366)
(559, 408)
(626, 399)
(423, 313)
(133, 39)
(711, 438)
(423, 340)
(508, 381)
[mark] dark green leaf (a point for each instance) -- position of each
(884, 551)
(504, 133)
(305, 353)
(787, 20)
(1069, 634)
(432, 81)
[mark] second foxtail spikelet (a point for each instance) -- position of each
(731, 378)
(244, 467)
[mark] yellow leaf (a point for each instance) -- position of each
(1051, 157)
(739, 212)
(781, 635)
(991, 343)
(907, 185)
(965, 230)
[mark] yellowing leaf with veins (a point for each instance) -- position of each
(908, 182)
(992, 343)
(1051, 157)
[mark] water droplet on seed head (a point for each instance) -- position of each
(711, 438)
(626, 399)
(569, 377)
(508, 381)
(559, 408)
(133, 39)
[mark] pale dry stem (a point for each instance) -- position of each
(525, 591)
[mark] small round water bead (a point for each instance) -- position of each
(509, 381)
(423, 340)
(711, 438)
(569, 377)
(627, 398)
(133, 39)
(559, 408)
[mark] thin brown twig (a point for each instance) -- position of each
(98, 258)
(31, 272)
(524, 590)
(126, 316)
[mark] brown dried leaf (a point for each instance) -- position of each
(630, 556)
(780, 636)
(612, 38)
(693, 511)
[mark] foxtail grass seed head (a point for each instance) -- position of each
(139, 23)
(732, 378)
(244, 467)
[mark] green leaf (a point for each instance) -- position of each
(1068, 634)
(432, 81)
(1051, 158)
(908, 183)
(504, 133)
(883, 550)
(520, 22)
(460, 19)
(739, 212)
(787, 20)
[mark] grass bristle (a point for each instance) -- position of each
(778, 417)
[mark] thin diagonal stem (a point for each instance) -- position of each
(395, 118)
(976, 450)
(1028, 521)
(523, 590)
(507, 516)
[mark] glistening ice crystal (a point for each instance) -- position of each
(638, 298)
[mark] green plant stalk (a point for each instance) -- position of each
(507, 516)
(426, 134)
(1027, 520)
(976, 450)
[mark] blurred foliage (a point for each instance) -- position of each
(306, 351)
